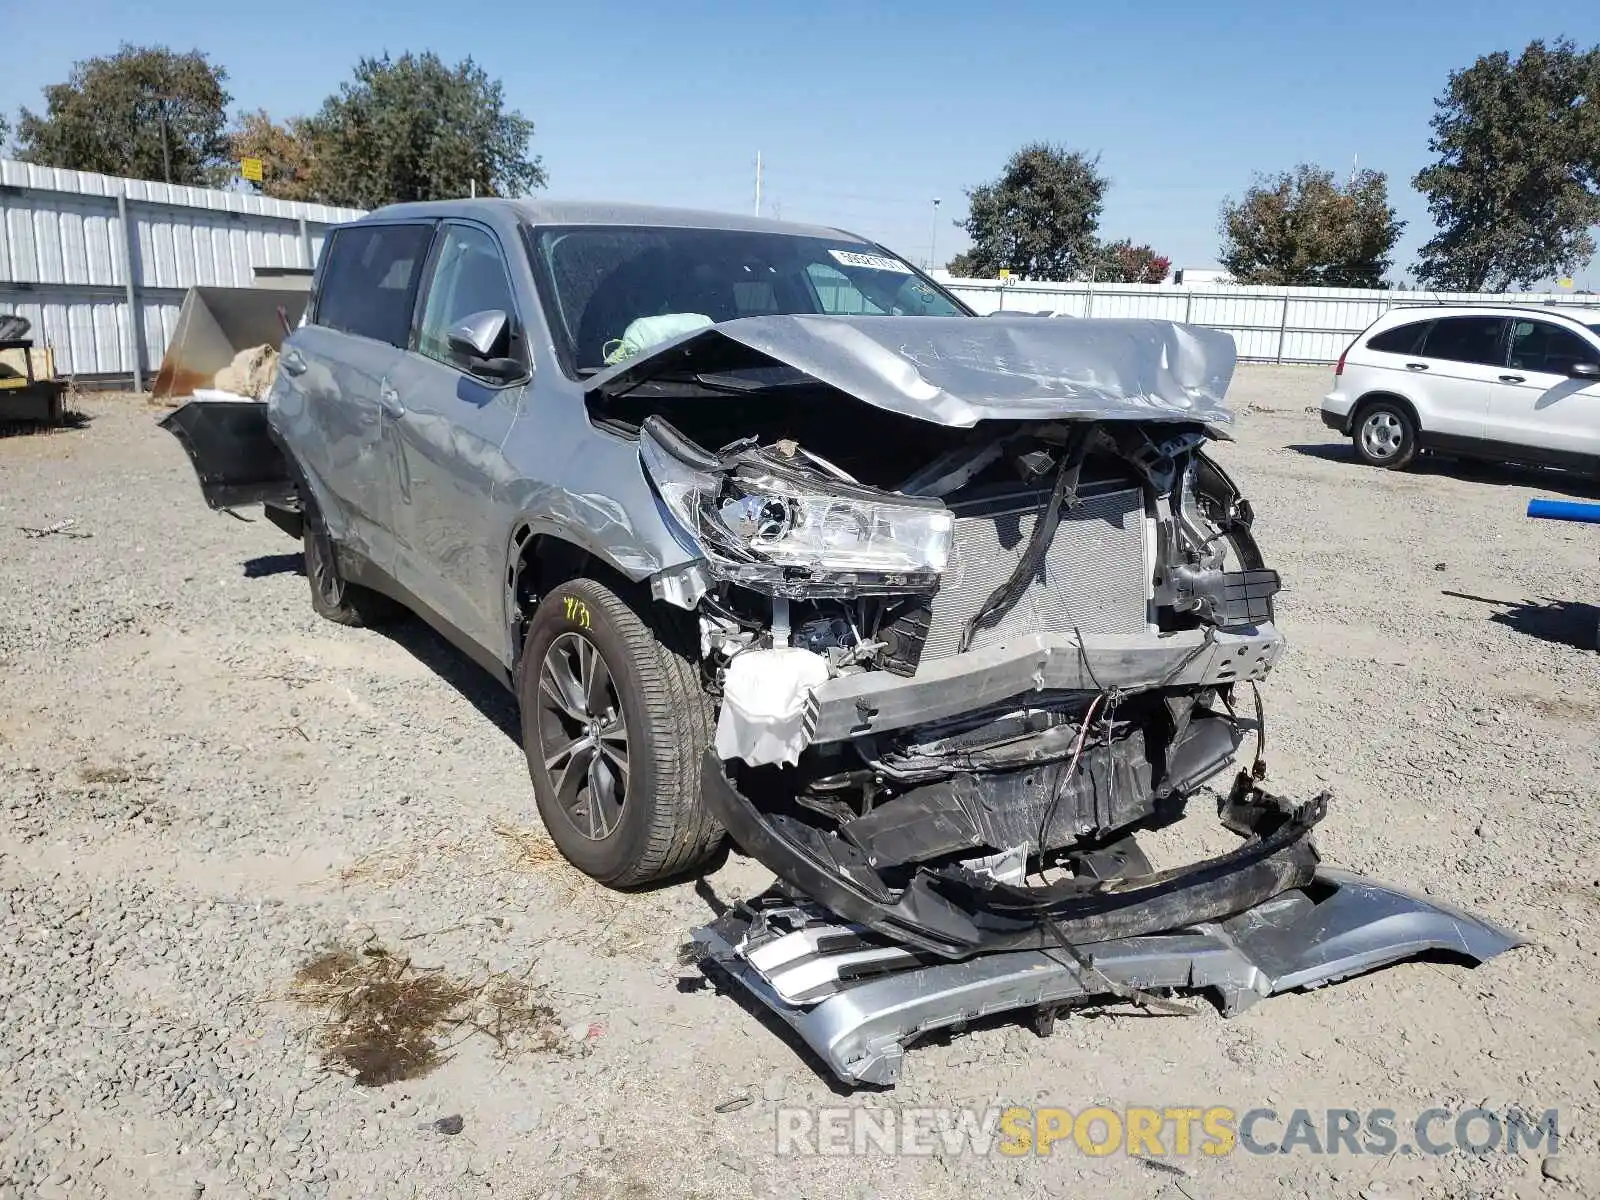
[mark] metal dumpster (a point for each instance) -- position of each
(216, 323)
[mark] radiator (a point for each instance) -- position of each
(1095, 576)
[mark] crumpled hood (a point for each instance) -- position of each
(961, 370)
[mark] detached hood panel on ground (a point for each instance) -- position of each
(960, 370)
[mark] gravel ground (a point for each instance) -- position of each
(202, 785)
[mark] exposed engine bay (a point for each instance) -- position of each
(1091, 533)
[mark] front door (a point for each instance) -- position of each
(1538, 403)
(451, 437)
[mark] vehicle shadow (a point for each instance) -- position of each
(1565, 483)
(480, 689)
(414, 636)
(275, 564)
(1560, 622)
(70, 420)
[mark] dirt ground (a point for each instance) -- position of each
(202, 786)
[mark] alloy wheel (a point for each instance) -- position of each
(1382, 435)
(583, 735)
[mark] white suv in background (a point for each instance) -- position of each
(1509, 383)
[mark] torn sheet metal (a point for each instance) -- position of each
(858, 1002)
(957, 371)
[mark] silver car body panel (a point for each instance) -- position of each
(860, 1027)
(957, 371)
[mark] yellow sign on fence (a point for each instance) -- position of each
(250, 168)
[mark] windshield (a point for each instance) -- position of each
(613, 291)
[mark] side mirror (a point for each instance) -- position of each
(478, 343)
(1584, 370)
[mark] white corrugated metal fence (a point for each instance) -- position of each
(1268, 324)
(92, 259)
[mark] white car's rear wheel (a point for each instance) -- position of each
(1386, 436)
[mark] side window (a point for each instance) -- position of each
(836, 294)
(1541, 346)
(369, 282)
(469, 276)
(1469, 340)
(1402, 339)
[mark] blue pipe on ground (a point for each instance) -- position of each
(1564, 510)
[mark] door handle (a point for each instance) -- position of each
(1416, 366)
(293, 362)
(389, 400)
(1512, 379)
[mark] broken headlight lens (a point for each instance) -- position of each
(762, 526)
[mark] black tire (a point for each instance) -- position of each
(1385, 435)
(332, 597)
(642, 821)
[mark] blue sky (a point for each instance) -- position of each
(863, 112)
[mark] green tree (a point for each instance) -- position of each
(5, 132)
(962, 266)
(1516, 186)
(1304, 227)
(145, 112)
(1039, 219)
(414, 129)
(288, 167)
(1123, 262)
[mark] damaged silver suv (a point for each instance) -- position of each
(772, 536)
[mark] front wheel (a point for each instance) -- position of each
(1386, 436)
(614, 721)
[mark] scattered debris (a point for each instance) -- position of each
(1164, 1168)
(451, 1125)
(734, 1103)
(530, 847)
(66, 528)
(387, 1019)
(105, 775)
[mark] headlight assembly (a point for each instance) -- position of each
(790, 531)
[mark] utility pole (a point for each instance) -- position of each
(758, 183)
(933, 237)
(166, 154)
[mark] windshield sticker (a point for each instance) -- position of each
(872, 262)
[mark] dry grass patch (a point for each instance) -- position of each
(386, 1019)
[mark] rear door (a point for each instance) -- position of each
(1537, 402)
(450, 439)
(1460, 361)
(338, 374)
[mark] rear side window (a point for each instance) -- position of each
(369, 282)
(1402, 339)
(1541, 346)
(1469, 340)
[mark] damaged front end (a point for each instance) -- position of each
(967, 643)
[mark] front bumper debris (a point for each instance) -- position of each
(859, 1000)
(953, 913)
